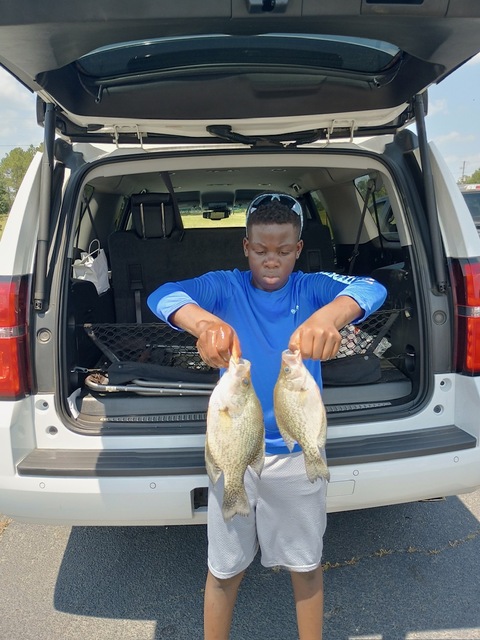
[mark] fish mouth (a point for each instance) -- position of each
(240, 365)
(291, 360)
(290, 357)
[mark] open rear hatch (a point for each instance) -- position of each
(212, 69)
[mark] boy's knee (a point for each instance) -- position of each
(226, 584)
(308, 576)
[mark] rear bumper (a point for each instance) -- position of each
(169, 499)
(406, 480)
(357, 450)
(138, 501)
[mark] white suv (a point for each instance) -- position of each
(162, 120)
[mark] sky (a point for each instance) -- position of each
(453, 120)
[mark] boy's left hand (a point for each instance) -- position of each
(318, 338)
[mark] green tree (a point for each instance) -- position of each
(4, 198)
(473, 179)
(12, 169)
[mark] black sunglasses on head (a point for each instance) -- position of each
(283, 198)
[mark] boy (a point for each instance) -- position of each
(262, 312)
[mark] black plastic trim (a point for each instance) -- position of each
(98, 463)
(174, 462)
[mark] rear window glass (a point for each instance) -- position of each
(305, 50)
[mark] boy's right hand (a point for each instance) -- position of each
(217, 342)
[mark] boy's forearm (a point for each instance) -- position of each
(192, 318)
(341, 311)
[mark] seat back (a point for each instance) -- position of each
(318, 252)
(135, 253)
(154, 216)
(157, 250)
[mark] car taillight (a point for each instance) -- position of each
(14, 366)
(466, 287)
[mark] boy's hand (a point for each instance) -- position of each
(315, 339)
(216, 342)
(318, 338)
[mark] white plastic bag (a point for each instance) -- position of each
(93, 266)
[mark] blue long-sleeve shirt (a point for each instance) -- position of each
(265, 320)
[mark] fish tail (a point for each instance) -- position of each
(235, 501)
(316, 467)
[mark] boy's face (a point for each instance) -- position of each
(272, 250)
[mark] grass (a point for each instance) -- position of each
(197, 221)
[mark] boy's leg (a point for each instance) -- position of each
(308, 593)
(232, 546)
(291, 521)
(220, 598)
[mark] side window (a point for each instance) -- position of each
(321, 209)
(380, 209)
(119, 219)
(325, 238)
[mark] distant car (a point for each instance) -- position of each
(471, 193)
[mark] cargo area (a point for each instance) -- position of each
(159, 219)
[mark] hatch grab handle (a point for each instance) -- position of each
(267, 6)
(46, 181)
(430, 201)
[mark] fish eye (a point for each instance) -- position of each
(286, 369)
(245, 381)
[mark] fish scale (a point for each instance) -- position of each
(235, 436)
(300, 413)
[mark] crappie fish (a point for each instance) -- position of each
(235, 435)
(300, 413)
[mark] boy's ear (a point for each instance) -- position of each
(299, 248)
(245, 247)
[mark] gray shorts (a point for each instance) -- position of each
(287, 520)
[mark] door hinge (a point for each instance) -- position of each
(127, 130)
(343, 125)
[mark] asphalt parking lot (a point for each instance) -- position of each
(406, 572)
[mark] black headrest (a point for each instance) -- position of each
(153, 215)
